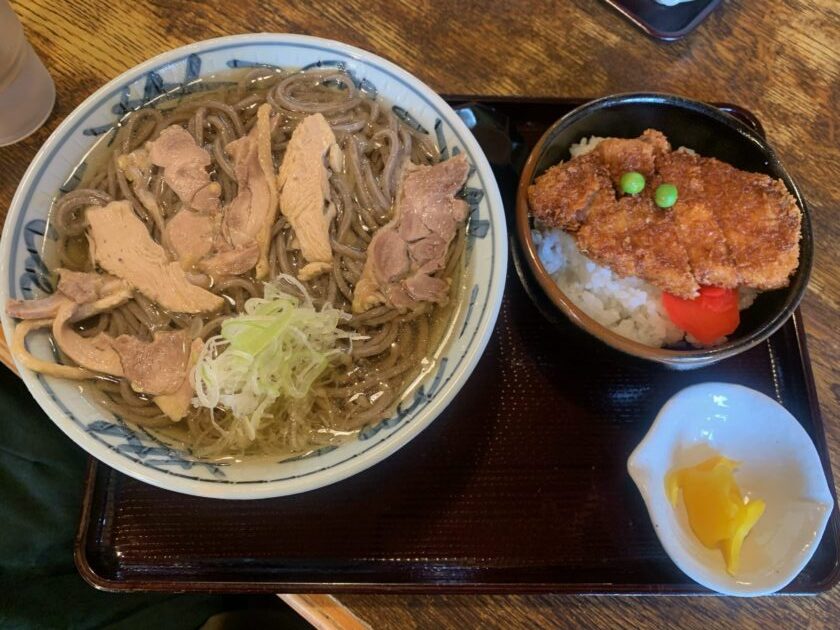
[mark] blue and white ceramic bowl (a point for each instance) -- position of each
(139, 454)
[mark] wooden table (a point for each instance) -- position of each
(780, 58)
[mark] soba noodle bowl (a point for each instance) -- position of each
(390, 346)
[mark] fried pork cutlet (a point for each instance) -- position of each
(566, 193)
(728, 228)
(697, 228)
(631, 237)
(605, 237)
(757, 217)
(621, 155)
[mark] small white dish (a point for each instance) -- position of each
(779, 464)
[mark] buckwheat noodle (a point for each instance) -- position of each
(363, 387)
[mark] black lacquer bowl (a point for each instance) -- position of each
(709, 131)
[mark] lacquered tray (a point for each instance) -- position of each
(664, 22)
(519, 486)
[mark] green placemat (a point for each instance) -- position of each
(41, 482)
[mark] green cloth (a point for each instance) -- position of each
(41, 482)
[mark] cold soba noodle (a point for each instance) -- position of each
(374, 348)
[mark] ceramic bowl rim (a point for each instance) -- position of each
(348, 467)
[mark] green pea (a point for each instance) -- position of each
(665, 195)
(632, 183)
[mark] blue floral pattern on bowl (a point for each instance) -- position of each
(141, 454)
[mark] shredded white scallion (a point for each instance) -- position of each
(275, 350)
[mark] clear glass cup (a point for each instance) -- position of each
(27, 92)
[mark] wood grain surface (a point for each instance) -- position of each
(779, 58)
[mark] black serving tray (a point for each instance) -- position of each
(519, 486)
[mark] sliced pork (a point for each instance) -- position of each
(755, 214)
(636, 239)
(697, 228)
(250, 216)
(622, 155)
(184, 166)
(303, 182)
(563, 194)
(404, 255)
(154, 367)
(121, 245)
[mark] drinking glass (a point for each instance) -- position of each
(27, 93)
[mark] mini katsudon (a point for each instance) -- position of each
(663, 246)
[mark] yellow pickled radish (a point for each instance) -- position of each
(718, 514)
(732, 547)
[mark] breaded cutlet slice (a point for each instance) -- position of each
(605, 237)
(561, 196)
(660, 256)
(728, 227)
(635, 238)
(695, 222)
(759, 219)
(622, 155)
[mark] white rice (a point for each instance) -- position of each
(629, 306)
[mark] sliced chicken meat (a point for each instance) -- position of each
(303, 182)
(87, 286)
(154, 367)
(231, 262)
(41, 308)
(137, 169)
(82, 295)
(189, 236)
(76, 286)
(157, 367)
(404, 255)
(250, 216)
(87, 294)
(121, 245)
(184, 166)
(177, 404)
(94, 353)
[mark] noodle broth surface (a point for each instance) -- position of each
(377, 373)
